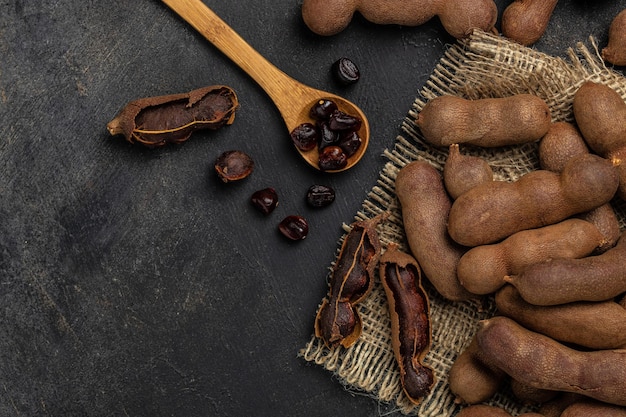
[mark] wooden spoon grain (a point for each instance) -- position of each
(292, 98)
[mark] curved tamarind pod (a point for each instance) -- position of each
(559, 281)
(410, 321)
(541, 362)
(157, 121)
(425, 205)
(493, 211)
(482, 269)
(562, 143)
(615, 50)
(575, 322)
(486, 122)
(337, 320)
(525, 21)
(463, 172)
(470, 379)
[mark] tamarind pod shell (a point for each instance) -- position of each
(541, 362)
(576, 322)
(559, 281)
(464, 172)
(525, 21)
(410, 321)
(593, 409)
(425, 205)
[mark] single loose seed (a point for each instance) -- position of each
(320, 196)
(346, 71)
(233, 166)
(294, 227)
(265, 200)
(332, 158)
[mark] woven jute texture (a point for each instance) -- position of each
(484, 65)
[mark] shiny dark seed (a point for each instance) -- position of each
(233, 166)
(305, 136)
(350, 142)
(320, 196)
(294, 227)
(340, 121)
(346, 71)
(323, 109)
(332, 158)
(327, 136)
(265, 200)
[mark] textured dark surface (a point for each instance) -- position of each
(132, 281)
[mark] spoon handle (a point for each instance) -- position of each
(278, 85)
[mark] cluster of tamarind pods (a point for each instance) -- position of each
(548, 246)
(523, 21)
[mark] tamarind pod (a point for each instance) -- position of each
(559, 281)
(555, 406)
(487, 122)
(593, 409)
(482, 269)
(562, 143)
(525, 21)
(575, 322)
(470, 379)
(493, 211)
(483, 410)
(337, 321)
(541, 362)
(425, 205)
(410, 321)
(531, 395)
(615, 50)
(157, 121)
(463, 172)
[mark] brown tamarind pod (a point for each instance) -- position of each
(425, 205)
(463, 172)
(482, 269)
(337, 321)
(559, 281)
(562, 143)
(531, 395)
(541, 362)
(493, 211)
(470, 379)
(576, 322)
(525, 21)
(157, 121)
(410, 321)
(484, 410)
(555, 406)
(590, 408)
(615, 50)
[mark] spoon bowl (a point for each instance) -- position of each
(292, 98)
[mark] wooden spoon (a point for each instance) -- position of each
(292, 98)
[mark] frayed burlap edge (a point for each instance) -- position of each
(485, 65)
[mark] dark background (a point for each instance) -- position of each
(132, 281)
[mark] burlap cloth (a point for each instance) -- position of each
(485, 65)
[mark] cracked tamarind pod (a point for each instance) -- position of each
(409, 310)
(458, 17)
(337, 321)
(157, 121)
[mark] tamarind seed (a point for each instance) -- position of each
(346, 71)
(350, 142)
(305, 136)
(323, 109)
(320, 196)
(332, 158)
(327, 136)
(265, 200)
(234, 166)
(340, 121)
(294, 227)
